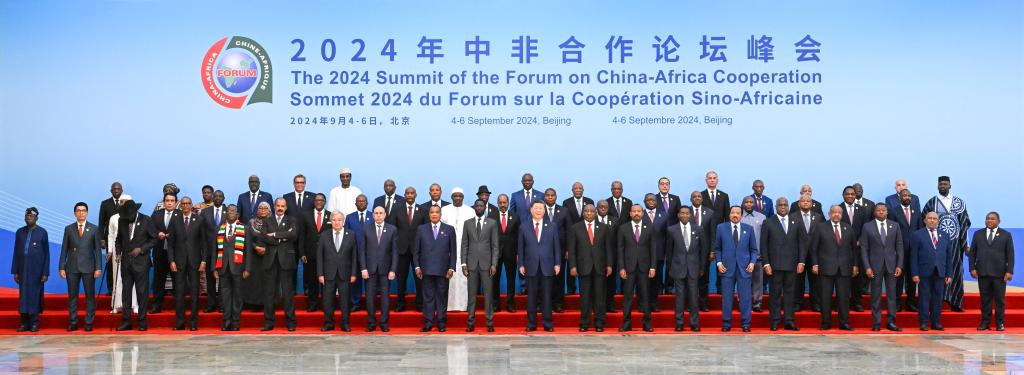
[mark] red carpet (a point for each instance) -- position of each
(54, 320)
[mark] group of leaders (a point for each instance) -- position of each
(248, 253)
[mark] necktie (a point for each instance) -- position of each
(536, 229)
(686, 238)
(479, 225)
(711, 194)
(651, 214)
(167, 219)
(526, 197)
(759, 205)
(579, 206)
(990, 238)
(81, 230)
(807, 222)
(935, 240)
(697, 216)
(835, 228)
(378, 233)
(736, 234)
(785, 228)
(410, 214)
(337, 241)
(216, 215)
(503, 222)
(319, 220)
(362, 217)
(387, 205)
(881, 230)
(664, 202)
(252, 199)
(435, 231)
(186, 225)
(551, 213)
(590, 233)
(906, 212)
(298, 203)
(117, 203)
(618, 206)
(849, 210)
(636, 232)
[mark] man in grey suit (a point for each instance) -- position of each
(480, 259)
(336, 269)
(378, 258)
(80, 260)
(686, 252)
(881, 249)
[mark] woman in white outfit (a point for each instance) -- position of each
(115, 264)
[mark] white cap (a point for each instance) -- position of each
(345, 170)
(125, 197)
(458, 190)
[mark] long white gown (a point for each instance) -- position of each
(115, 265)
(458, 297)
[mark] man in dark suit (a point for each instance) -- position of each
(540, 259)
(991, 262)
(930, 251)
(479, 260)
(783, 256)
(508, 235)
(612, 222)
(523, 199)
(686, 252)
(434, 192)
(560, 217)
(313, 223)
(815, 205)
(407, 220)
(881, 251)
(717, 200)
(109, 207)
(636, 260)
(736, 252)
(389, 200)
(162, 220)
(666, 202)
(703, 220)
(249, 201)
(81, 260)
(278, 262)
(213, 216)
(835, 261)
(895, 201)
(300, 200)
(228, 259)
(590, 259)
(378, 258)
(808, 220)
(188, 253)
(909, 218)
(658, 220)
(574, 204)
(491, 211)
(855, 216)
(336, 269)
(618, 206)
(135, 241)
(354, 222)
(434, 260)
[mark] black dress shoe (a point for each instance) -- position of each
(311, 308)
(33, 329)
(143, 327)
(939, 327)
(559, 309)
(510, 309)
(746, 328)
(845, 327)
(656, 309)
(757, 308)
(549, 329)
(469, 328)
(531, 329)
(923, 327)
(893, 327)
(1000, 327)
(209, 309)
(267, 327)
(291, 328)
(399, 308)
(73, 327)
(583, 328)
(327, 328)
(911, 308)
(346, 328)
(21, 328)
(625, 328)
(726, 329)
(354, 308)
(695, 329)
(858, 308)
(792, 327)
(88, 327)
(441, 329)
(612, 309)
(156, 309)
(825, 327)
(178, 326)
(124, 327)
(983, 327)
(225, 328)
(648, 328)
(425, 329)
(599, 329)
(679, 327)
(385, 329)
(798, 308)
(371, 328)
(816, 308)
(876, 328)
(705, 308)
(774, 326)
(490, 328)
(957, 308)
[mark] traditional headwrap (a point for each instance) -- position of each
(32, 210)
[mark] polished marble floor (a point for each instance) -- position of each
(512, 354)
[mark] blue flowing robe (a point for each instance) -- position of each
(31, 261)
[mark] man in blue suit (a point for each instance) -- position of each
(80, 260)
(300, 200)
(523, 199)
(893, 202)
(250, 200)
(378, 257)
(736, 252)
(354, 222)
(540, 258)
(434, 261)
(909, 218)
(929, 259)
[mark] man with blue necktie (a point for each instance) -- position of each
(434, 262)
(736, 252)
(354, 222)
(929, 259)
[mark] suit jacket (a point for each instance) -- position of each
(589, 257)
(518, 204)
(833, 258)
(860, 216)
(308, 199)
(144, 238)
(425, 206)
(80, 254)
(480, 249)
(634, 255)
(353, 224)
(539, 256)
(247, 210)
(686, 262)
(107, 209)
(879, 253)
(720, 206)
(210, 221)
(188, 247)
(561, 221)
(735, 256)
(926, 257)
(673, 204)
(660, 224)
(407, 226)
(570, 208)
(508, 239)
(434, 256)
(282, 245)
(994, 259)
(707, 223)
(379, 257)
(893, 203)
(767, 207)
(309, 236)
(228, 264)
(626, 204)
(815, 207)
(397, 203)
(782, 248)
(906, 227)
(492, 211)
(157, 221)
(337, 263)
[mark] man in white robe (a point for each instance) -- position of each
(456, 214)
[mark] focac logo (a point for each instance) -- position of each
(237, 73)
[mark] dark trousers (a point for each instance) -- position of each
(337, 288)
(30, 320)
(356, 291)
(90, 296)
(741, 288)
(636, 282)
(110, 276)
(161, 268)
(508, 263)
(656, 284)
(378, 283)
(138, 280)
(609, 284)
(402, 275)
(857, 285)
(231, 298)
(187, 278)
(892, 299)
(992, 289)
(841, 285)
(592, 298)
(212, 293)
(277, 279)
(480, 279)
(930, 305)
(782, 295)
(310, 282)
(704, 282)
(538, 292)
(905, 283)
(687, 289)
(558, 293)
(435, 300)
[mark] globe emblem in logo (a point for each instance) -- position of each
(236, 71)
